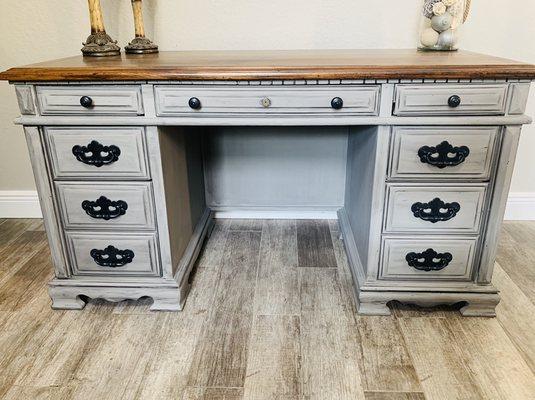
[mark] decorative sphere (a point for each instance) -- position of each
(441, 23)
(429, 37)
(447, 39)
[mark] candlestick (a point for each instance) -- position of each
(140, 44)
(99, 43)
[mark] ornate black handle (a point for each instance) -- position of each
(86, 101)
(454, 101)
(104, 208)
(112, 257)
(444, 155)
(429, 260)
(195, 103)
(96, 154)
(436, 210)
(337, 103)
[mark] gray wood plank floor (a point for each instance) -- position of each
(271, 316)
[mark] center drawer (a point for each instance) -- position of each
(106, 206)
(194, 99)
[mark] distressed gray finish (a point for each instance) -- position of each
(406, 142)
(279, 147)
(139, 214)
(109, 100)
(132, 162)
(357, 100)
(433, 99)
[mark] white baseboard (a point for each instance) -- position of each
(19, 204)
(283, 213)
(520, 207)
(25, 204)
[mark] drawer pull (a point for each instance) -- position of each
(86, 101)
(444, 155)
(337, 103)
(104, 208)
(96, 154)
(194, 103)
(436, 210)
(454, 101)
(429, 260)
(112, 257)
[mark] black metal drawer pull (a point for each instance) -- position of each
(436, 210)
(112, 257)
(429, 260)
(96, 154)
(444, 155)
(104, 208)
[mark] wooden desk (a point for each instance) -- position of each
(134, 156)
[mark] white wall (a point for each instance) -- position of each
(33, 31)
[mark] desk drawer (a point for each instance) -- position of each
(443, 152)
(428, 259)
(356, 100)
(447, 99)
(435, 208)
(103, 153)
(106, 206)
(90, 100)
(99, 254)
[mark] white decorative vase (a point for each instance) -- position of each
(441, 24)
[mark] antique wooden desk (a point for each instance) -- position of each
(134, 156)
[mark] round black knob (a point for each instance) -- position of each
(86, 101)
(454, 101)
(337, 103)
(194, 103)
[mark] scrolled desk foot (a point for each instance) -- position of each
(62, 300)
(481, 308)
(373, 308)
(167, 300)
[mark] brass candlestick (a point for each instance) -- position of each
(99, 43)
(140, 44)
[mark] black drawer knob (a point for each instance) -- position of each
(429, 260)
(86, 101)
(195, 103)
(337, 103)
(454, 101)
(104, 208)
(112, 257)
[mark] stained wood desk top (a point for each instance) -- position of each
(275, 65)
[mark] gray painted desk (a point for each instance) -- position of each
(135, 157)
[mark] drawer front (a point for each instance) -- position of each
(99, 254)
(435, 208)
(443, 152)
(446, 99)
(433, 259)
(105, 100)
(356, 100)
(106, 206)
(103, 153)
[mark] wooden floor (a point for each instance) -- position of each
(270, 316)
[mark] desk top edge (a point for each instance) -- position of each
(275, 65)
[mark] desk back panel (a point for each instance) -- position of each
(282, 168)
